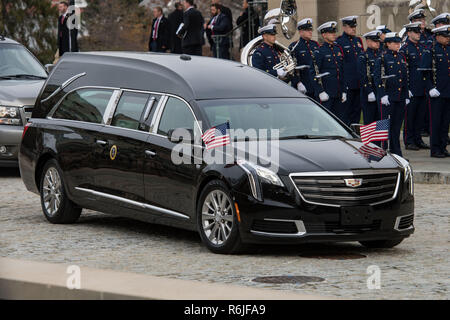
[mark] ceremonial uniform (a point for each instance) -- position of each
(366, 69)
(438, 60)
(392, 90)
(330, 59)
(303, 51)
(417, 108)
(352, 48)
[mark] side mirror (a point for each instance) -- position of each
(181, 135)
(356, 127)
(49, 67)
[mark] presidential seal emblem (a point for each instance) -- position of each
(113, 152)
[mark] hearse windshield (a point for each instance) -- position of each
(295, 118)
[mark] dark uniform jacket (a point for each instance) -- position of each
(303, 51)
(193, 28)
(163, 36)
(67, 39)
(395, 87)
(426, 38)
(438, 78)
(414, 55)
(265, 58)
(330, 58)
(352, 48)
(366, 70)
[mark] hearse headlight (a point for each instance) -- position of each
(258, 175)
(407, 172)
(10, 116)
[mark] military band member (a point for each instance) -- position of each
(330, 88)
(437, 60)
(426, 38)
(391, 80)
(303, 51)
(441, 20)
(416, 110)
(366, 69)
(352, 47)
(384, 30)
(266, 56)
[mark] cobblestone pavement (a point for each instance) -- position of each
(417, 268)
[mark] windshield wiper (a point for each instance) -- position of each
(306, 136)
(22, 76)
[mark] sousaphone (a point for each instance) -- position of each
(285, 18)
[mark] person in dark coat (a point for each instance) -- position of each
(226, 11)
(249, 28)
(160, 33)
(175, 19)
(217, 26)
(67, 38)
(191, 31)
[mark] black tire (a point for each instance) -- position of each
(67, 212)
(233, 243)
(381, 244)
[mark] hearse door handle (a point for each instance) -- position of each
(150, 153)
(101, 142)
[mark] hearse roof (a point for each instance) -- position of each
(191, 77)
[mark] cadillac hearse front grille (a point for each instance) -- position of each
(347, 188)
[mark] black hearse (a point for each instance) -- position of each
(102, 136)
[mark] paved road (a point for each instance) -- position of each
(418, 268)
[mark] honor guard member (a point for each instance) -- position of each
(366, 69)
(328, 75)
(352, 47)
(266, 56)
(436, 63)
(416, 110)
(391, 80)
(426, 37)
(441, 20)
(384, 30)
(303, 51)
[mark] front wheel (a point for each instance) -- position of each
(217, 219)
(381, 244)
(56, 205)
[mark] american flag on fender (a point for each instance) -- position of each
(376, 131)
(372, 153)
(217, 136)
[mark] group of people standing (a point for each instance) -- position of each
(407, 83)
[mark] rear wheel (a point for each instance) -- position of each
(217, 219)
(381, 243)
(56, 206)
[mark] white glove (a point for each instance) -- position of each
(301, 88)
(407, 101)
(371, 97)
(281, 73)
(344, 97)
(385, 100)
(324, 96)
(410, 94)
(434, 93)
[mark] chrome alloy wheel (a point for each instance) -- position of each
(217, 217)
(52, 191)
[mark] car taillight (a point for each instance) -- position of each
(25, 128)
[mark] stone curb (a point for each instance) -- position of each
(20, 279)
(431, 177)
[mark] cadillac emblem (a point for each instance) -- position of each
(354, 183)
(113, 152)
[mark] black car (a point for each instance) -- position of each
(102, 136)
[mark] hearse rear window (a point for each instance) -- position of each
(86, 105)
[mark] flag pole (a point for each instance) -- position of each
(389, 135)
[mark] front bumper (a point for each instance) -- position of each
(10, 137)
(271, 222)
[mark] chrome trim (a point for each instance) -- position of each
(301, 230)
(64, 85)
(75, 121)
(345, 173)
(157, 115)
(148, 108)
(111, 107)
(135, 203)
(252, 182)
(397, 222)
